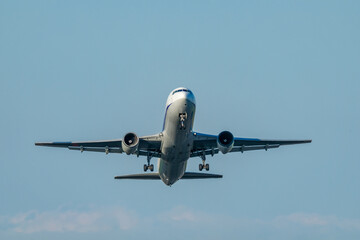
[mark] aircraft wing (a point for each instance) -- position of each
(148, 145)
(205, 144)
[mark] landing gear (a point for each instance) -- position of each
(203, 165)
(151, 167)
(148, 165)
(182, 118)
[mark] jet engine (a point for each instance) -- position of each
(225, 141)
(130, 143)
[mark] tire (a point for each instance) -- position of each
(201, 167)
(207, 167)
(145, 167)
(151, 167)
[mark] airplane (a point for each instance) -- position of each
(175, 144)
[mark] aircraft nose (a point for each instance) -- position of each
(188, 96)
(182, 94)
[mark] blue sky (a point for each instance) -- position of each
(85, 70)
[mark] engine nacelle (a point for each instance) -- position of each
(130, 143)
(225, 141)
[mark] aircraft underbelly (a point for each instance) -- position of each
(171, 172)
(177, 140)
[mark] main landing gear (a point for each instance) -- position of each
(203, 165)
(148, 165)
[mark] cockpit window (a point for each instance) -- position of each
(181, 90)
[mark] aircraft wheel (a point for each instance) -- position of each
(201, 167)
(207, 167)
(151, 167)
(145, 167)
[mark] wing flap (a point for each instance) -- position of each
(255, 141)
(251, 148)
(204, 152)
(150, 153)
(96, 149)
(105, 143)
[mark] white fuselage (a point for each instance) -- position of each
(177, 137)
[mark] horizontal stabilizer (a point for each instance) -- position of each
(141, 176)
(195, 175)
(156, 176)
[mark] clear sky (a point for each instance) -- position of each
(93, 70)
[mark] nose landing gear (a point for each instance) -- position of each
(182, 117)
